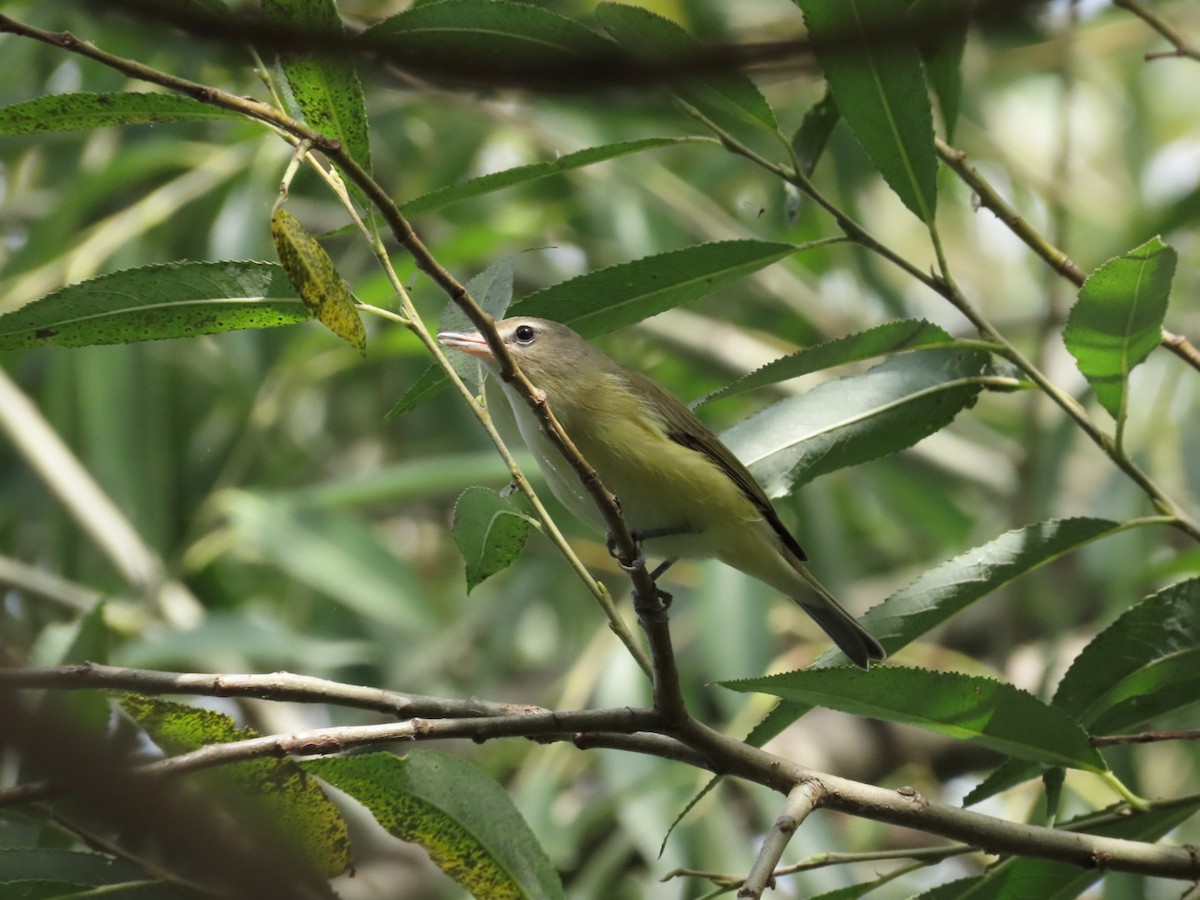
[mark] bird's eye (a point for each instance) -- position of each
(525, 334)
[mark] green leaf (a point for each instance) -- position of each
(941, 48)
(490, 533)
(175, 300)
(612, 298)
(74, 112)
(492, 290)
(891, 337)
(985, 712)
(332, 552)
(497, 181)
(649, 36)
(277, 790)
(858, 418)
(877, 81)
(608, 299)
(312, 273)
(1118, 320)
(325, 87)
(508, 41)
(814, 132)
(464, 820)
(1144, 665)
(950, 587)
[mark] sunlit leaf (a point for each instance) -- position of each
(313, 275)
(278, 789)
(464, 820)
(1118, 320)
(155, 302)
(324, 86)
(72, 112)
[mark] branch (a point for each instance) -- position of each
(639, 730)
(612, 67)
(1144, 737)
(339, 739)
(280, 686)
(802, 800)
(1182, 46)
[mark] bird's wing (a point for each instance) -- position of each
(684, 428)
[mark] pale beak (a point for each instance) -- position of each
(472, 343)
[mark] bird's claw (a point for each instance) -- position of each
(610, 543)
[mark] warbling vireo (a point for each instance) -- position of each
(682, 492)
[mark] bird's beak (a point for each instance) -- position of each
(472, 343)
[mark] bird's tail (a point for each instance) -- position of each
(854, 640)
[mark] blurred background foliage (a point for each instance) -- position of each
(307, 534)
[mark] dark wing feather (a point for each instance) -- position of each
(682, 427)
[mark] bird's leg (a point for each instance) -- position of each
(639, 537)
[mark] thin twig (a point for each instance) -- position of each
(1183, 47)
(278, 686)
(1144, 737)
(801, 801)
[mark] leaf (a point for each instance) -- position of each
(325, 86)
(607, 299)
(496, 181)
(74, 112)
(507, 41)
(1144, 665)
(941, 48)
(652, 37)
(985, 712)
(877, 81)
(332, 552)
(312, 273)
(174, 300)
(857, 418)
(891, 337)
(276, 790)
(1118, 320)
(950, 587)
(464, 820)
(492, 290)
(490, 533)
(814, 132)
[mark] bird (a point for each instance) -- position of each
(682, 492)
